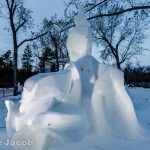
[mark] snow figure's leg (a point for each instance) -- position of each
(115, 104)
(98, 116)
(75, 92)
(10, 119)
(126, 112)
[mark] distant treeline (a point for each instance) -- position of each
(134, 76)
(46, 63)
(6, 77)
(6, 71)
(137, 76)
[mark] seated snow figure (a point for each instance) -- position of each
(87, 97)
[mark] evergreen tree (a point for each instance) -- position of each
(47, 56)
(27, 59)
(6, 70)
(6, 61)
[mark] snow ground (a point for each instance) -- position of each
(141, 101)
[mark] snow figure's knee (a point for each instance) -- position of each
(9, 105)
(10, 119)
(98, 114)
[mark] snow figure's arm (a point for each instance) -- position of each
(75, 92)
(42, 88)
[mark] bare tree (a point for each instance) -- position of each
(20, 20)
(55, 42)
(97, 9)
(120, 7)
(117, 25)
(121, 37)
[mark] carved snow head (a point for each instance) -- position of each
(79, 41)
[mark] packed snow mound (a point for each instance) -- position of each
(85, 98)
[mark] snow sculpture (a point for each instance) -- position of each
(86, 97)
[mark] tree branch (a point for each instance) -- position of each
(107, 41)
(119, 41)
(96, 5)
(120, 12)
(31, 39)
(14, 9)
(67, 28)
(12, 5)
(7, 2)
(126, 52)
(111, 14)
(22, 24)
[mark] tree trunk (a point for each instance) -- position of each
(118, 66)
(15, 92)
(117, 61)
(57, 59)
(15, 58)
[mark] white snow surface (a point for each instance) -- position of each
(80, 108)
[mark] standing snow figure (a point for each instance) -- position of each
(85, 97)
(79, 42)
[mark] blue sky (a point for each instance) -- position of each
(47, 8)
